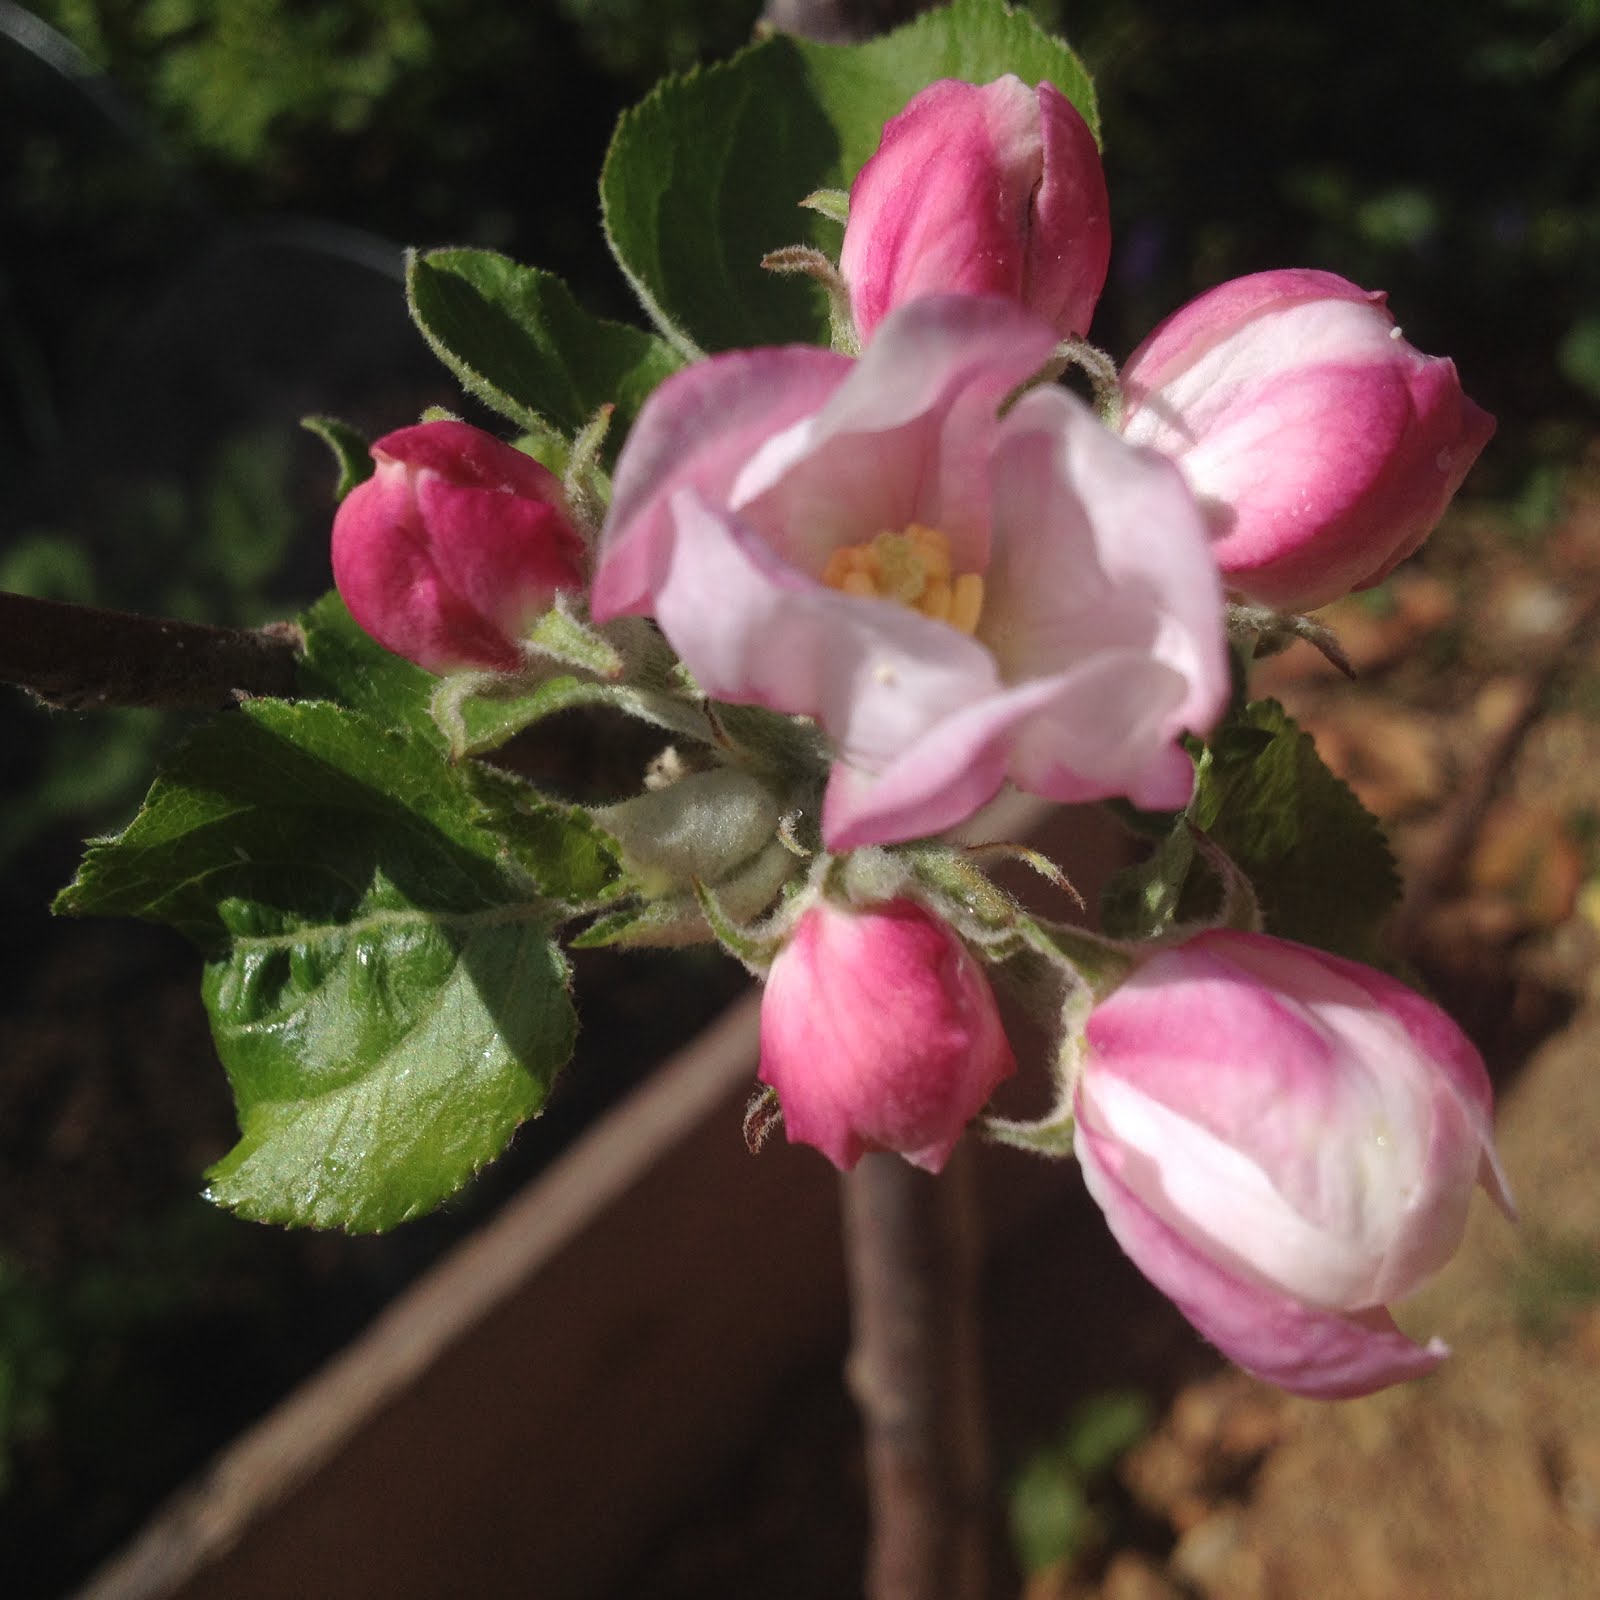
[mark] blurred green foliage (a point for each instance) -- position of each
(1055, 1502)
(202, 553)
(1443, 153)
(1558, 1279)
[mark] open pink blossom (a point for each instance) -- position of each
(453, 546)
(879, 1031)
(1284, 1142)
(957, 597)
(1323, 446)
(995, 189)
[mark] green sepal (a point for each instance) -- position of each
(745, 895)
(708, 174)
(516, 338)
(961, 891)
(755, 948)
(1141, 901)
(831, 203)
(350, 451)
(1052, 1134)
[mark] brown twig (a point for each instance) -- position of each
(1442, 867)
(912, 1245)
(80, 657)
(912, 1249)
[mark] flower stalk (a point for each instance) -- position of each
(911, 1243)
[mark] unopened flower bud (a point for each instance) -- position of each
(879, 1031)
(453, 546)
(1323, 447)
(981, 190)
(1284, 1142)
(700, 828)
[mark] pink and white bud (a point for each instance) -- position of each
(981, 190)
(1284, 1142)
(1323, 447)
(879, 1032)
(453, 547)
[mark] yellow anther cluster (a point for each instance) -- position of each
(912, 567)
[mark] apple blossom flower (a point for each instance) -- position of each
(957, 597)
(879, 1031)
(1322, 445)
(1284, 1142)
(453, 546)
(995, 189)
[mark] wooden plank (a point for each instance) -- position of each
(548, 1388)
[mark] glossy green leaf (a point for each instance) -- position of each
(710, 173)
(517, 339)
(385, 994)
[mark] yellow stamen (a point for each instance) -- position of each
(935, 601)
(913, 567)
(966, 602)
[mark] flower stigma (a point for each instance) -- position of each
(912, 567)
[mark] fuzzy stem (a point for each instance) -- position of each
(81, 657)
(914, 1370)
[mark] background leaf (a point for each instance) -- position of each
(707, 174)
(1318, 860)
(517, 339)
(384, 992)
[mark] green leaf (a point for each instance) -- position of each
(346, 665)
(350, 451)
(515, 337)
(712, 171)
(385, 995)
(1317, 857)
(1050, 1516)
(343, 663)
(1578, 355)
(561, 848)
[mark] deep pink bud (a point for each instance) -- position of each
(1323, 447)
(879, 1032)
(991, 190)
(1284, 1142)
(453, 546)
